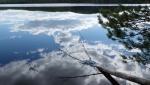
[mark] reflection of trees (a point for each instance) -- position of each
(77, 9)
(130, 26)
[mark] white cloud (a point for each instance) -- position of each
(16, 52)
(35, 51)
(12, 37)
(27, 53)
(49, 27)
(19, 16)
(52, 64)
(41, 70)
(46, 22)
(101, 53)
(66, 39)
(41, 49)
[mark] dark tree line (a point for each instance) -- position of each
(78, 9)
(72, 1)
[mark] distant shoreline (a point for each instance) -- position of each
(75, 1)
(65, 5)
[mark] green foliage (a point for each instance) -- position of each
(132, 34)
(105, 13)
(124, 61)
(123, 56)
(122, 26)
(100, 20)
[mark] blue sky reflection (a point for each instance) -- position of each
(28, 55)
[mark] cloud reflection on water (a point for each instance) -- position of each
(50, 65)
(49, 27)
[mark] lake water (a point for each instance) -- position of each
(30, 42)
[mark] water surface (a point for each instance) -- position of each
(30, 42)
